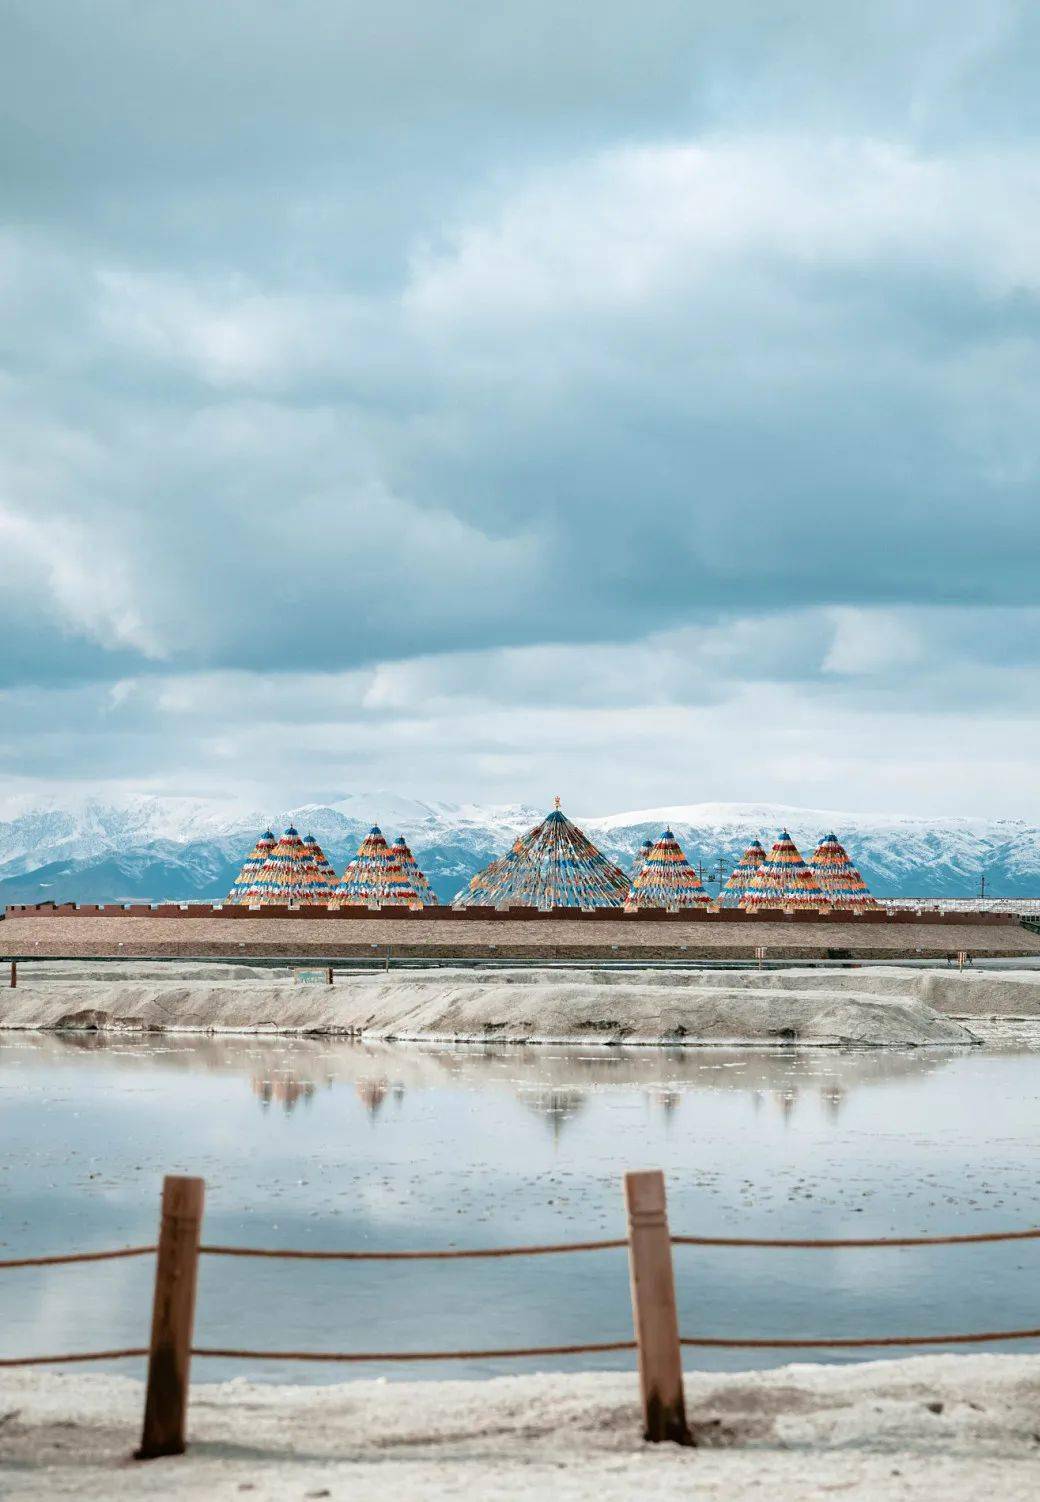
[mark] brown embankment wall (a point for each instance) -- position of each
(473, 933)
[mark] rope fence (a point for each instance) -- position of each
(74, 1356)
(864, 1342)
(423, 1256)
(657, 1339)
(840, 1243)
(123, 1251)
(502, 1354)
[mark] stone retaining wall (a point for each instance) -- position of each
(188, 933)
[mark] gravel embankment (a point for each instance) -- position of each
(536, 1006)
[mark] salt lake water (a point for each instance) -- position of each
(327, 1144)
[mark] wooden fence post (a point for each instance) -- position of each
(173, 1318)
(653, 1309)
(14, 973)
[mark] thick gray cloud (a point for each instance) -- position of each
(420, 366)
(845, 707)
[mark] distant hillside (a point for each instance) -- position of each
(182, 849)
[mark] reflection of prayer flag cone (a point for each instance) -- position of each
(666, 879)
(741, 875)
(251, 866)
(553, 865)
(783, 880)
(288, 875)
(842, 884)
(374, 878)
(410, 866)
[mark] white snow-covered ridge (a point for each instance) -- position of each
(156, 847)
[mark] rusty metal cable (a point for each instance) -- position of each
(73, 1356)
(859, 1241)
(126, 1251)
(433, 1256)
(232, 1353)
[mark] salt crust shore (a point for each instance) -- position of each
(952, 1427)
(882, 1006)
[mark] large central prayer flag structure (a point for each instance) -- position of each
(741, 875)
(666, 879)
(252, 866)
(416, 877)
(842, 884)
(553, 865)
(374, 878)
(288, 875)
(783, 880)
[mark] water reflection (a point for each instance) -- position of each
(553, 1083)
(323, 1143)
(557, 1106)
(287, 1090)
(667, 1098)
(371, 1094)
(348, 1058)
(351, 1059)
(833, 1097)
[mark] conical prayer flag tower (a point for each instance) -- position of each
(288, 875)
(741, 875)
(322, 864)
(783, 880)
(640, 859)
(553, 865)
(410, 866)
(666, 879)
(374, 878)
(842, 884)
(251, 866)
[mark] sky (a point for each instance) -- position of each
(637, 402)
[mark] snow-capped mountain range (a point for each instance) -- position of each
(182, 849)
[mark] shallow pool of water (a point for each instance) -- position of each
(322, 1144)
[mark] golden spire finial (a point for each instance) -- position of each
(557, 800)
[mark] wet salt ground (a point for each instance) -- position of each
(313, 1143)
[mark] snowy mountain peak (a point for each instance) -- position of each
(149, 846)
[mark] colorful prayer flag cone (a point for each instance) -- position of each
(374, 878)
(842, 884)
(783, 881)
(553, 865)
(666, 879)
